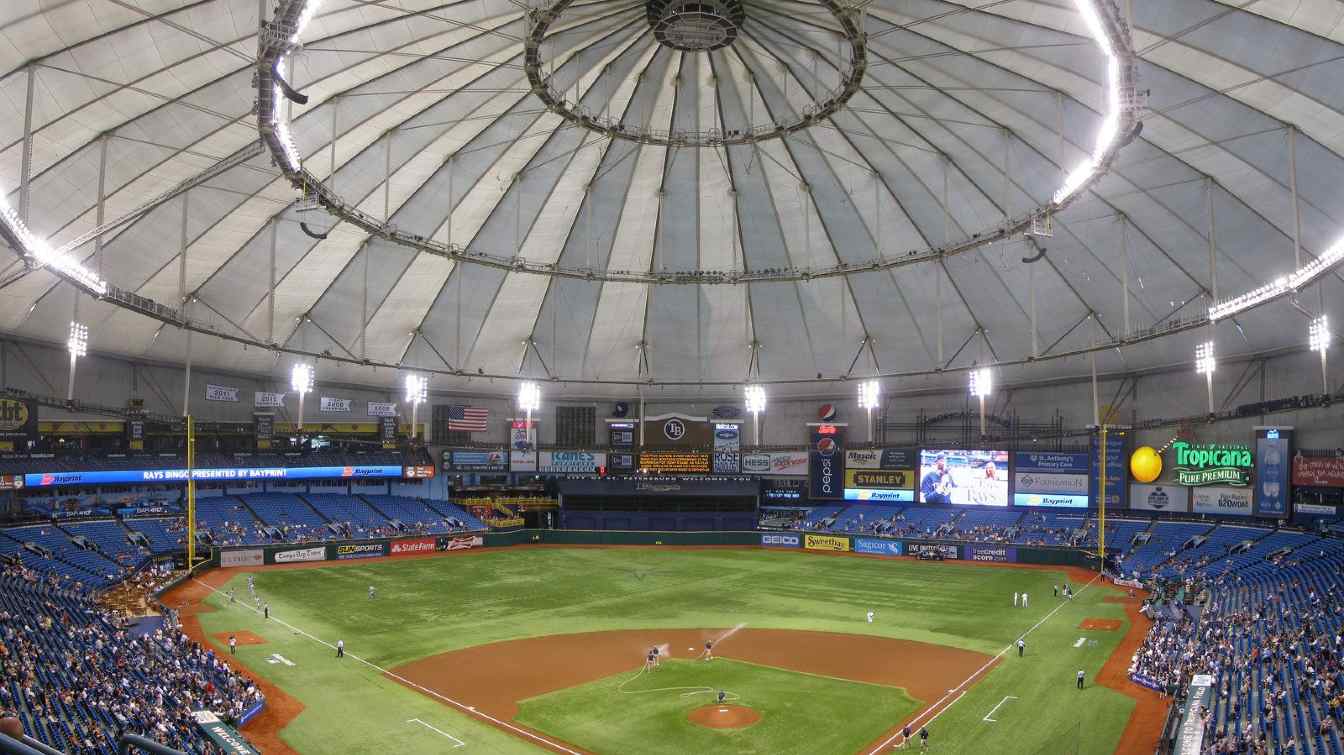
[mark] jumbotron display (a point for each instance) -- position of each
(977, 478)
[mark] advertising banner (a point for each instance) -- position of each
(412, 545)
(877, 547)
(570, 462)
(826, 542)
(1318, 471)
(621, 434)
(135, 434)
(1117, 468)
(459, 542)
(381, 409)
(522, 435)
(964, 477)
(11, 482)
(881, 458)
(522, 461)
(863, 458)
(784, 540)
(1226, 501)
(1002, 554)
(1190, 735)
(301, 554)
(263, 424)
(264, 400)
(826, 463)
(225, 737)
(879, 485)
(1315, 509)
(248, 557)
(418, 472)
(470, 460)
(776, 463)
(782, 490)
(387, 431)
(339, 405)
(1273, 457)
(1159, 497)
(727, 448)
(1051, 489)
(621, 461)
(1051, 463)
(131, 476)
(360, 550)
(1211, 463)
(933, 550)
(220, 392)
(18, 420)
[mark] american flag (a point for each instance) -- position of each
(469, 419)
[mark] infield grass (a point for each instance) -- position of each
(429, 606)
(646, 712)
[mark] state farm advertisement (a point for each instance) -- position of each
(413, 545)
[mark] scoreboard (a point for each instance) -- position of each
(675, 461)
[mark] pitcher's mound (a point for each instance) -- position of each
(723, 716)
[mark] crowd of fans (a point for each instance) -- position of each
(76, 677)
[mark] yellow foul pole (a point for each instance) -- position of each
(191, 494)
(1101, 502)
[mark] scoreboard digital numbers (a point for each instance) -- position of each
(696, 462)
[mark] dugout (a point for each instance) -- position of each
(659, 503)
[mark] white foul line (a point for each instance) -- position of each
(470, 710)
(977, 673)
(996, 707)
(459, 742)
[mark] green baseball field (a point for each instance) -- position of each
(547, 649)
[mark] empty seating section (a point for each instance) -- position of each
(352, 512)
(865, 518)
(1165, 540)
(88, 566)
(295, 520)
(110, 538)
(1048, 528)
(987, 525)
(1222, 538)
(76, 678)
(228, 521)
(457, 517)
(164, 535)
(417, 515)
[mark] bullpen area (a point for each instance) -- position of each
(533, 649)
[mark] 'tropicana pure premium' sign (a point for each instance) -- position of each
(1211, 464)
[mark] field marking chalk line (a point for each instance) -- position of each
(964, 686)
(459, 742)
(996, 707)
(471, 710)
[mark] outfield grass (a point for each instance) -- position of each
(429, 606)
(646, 712)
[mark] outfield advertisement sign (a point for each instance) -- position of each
(826, 543)
(360, 550)
(776, 463)
(247, 557)
(727, 448)
(459, 542)
(1273, 470)
(301, 554)
(1159, 497)
(869, 484)
(1212, 464)
(1002, 554)
(50, 479)
(412, 545)
(1050, 480)
(877, 547)
(1225, 501)
(935, 550)
(781, 540)
(881, 458)
(570, 462)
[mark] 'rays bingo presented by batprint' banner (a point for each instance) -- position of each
(826, 462)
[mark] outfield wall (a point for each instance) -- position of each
(807, 541)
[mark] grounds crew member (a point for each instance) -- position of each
(340, 648)
(1081, 677)
(1021, 646)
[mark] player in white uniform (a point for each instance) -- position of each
(371, 592)
(1024, 600)
(870, 615)
(1015, 600)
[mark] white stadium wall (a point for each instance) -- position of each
(1173, 393)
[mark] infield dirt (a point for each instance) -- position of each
(723, 716)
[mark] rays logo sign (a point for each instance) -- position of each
(674, 429)
(1211, 464)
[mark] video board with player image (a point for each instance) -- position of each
(964, 478)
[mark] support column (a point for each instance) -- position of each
(184, 302)
(1124, 273)
(26, 168)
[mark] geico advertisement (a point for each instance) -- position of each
(826, 543)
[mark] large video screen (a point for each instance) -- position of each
(967, 478)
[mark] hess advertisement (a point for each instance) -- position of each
(964, 477)
(826, 462)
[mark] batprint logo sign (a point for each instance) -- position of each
(826, 462)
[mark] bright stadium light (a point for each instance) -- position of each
(529, 399)
(1318, 335)
(755, 396)
(982, 385)
(78, 345)
(1206, 365)
(417, 392)
(301, 381)
(870, 392)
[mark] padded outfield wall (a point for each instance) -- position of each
(802, 541)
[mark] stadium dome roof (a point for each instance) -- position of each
(672, 191)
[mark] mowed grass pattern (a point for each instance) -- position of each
(430, 606)
(646, 712)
